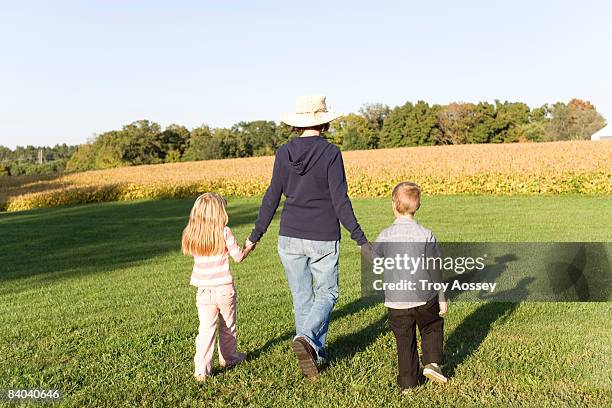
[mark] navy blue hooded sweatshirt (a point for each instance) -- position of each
(309, 171)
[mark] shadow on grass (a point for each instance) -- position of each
(473, 330)
(61, 243)
(347, 346)
(347, 310)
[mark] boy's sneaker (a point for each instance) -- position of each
(306, 356)
(224, 364)
(434, 373)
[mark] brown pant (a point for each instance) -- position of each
(403, 323)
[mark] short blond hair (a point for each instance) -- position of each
(406, 197)
(204, 233)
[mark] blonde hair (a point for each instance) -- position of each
(406, 198)
(203, 235)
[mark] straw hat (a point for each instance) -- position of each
(310, 110)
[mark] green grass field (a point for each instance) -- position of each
(96, 301)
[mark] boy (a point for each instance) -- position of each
(420, 307)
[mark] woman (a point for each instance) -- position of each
(309, 171)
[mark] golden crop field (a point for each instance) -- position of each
(580, 167)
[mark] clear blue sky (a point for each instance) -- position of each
(70, 69)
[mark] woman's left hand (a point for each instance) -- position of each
(248, 247)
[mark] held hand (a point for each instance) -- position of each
(248, 247)
(367, 252)
(443, 308)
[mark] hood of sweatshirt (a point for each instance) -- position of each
(305, 152)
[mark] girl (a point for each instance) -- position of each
(208, 239)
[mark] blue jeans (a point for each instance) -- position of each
(311, 268)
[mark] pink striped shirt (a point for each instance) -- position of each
(215, 270)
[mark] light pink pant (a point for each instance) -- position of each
(216, 303)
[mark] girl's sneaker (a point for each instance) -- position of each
(200, 378)
(224, 364)
(433, 372)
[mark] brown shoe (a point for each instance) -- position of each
(306, 356)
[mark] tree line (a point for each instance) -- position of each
(373, 126)
(33, 160)
(418, 124)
